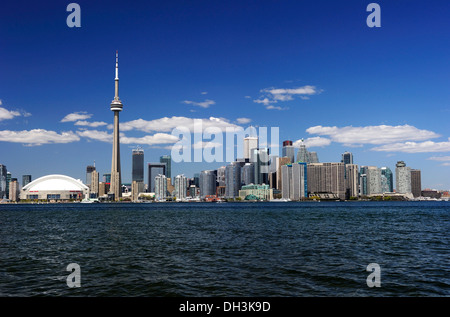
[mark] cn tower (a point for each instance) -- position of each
(116, 107)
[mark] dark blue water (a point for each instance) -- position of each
(229, 249)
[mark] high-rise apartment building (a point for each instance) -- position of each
(3, 173)
(167, 159)
(248, 174)
(294, 181)
(288, 150)
(281, 162)
(160, 187)
(137, 170)
(402, 178)
(221, 176)
(387, 180)
(181, 185)
(232, 180)
(94, 192)
(8, 182)
(155, 169)
(326, 178)
(351, 181)
(363, 181)
(373, 180)
(416, 183)
(14, 190)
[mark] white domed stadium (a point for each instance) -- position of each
(55, 187)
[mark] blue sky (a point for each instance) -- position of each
(312, 68)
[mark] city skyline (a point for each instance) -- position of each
(381, 95)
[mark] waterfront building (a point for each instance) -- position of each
(180, 187)
(387, 180)
(402, 178)
(136, 189)
(94, 192)
(55, 187)
(416, 183)
(256, 192)
(373, 180)
(14, 190)
(288, 150)
(137, 170)
(208, 180)
(8, 181)
(116, 107)
(154, 169)
(167, 159)
(326, 178)
(3, 173)
(351, 181)
(294, 181)
(26, 179)
(232, 180)
(160, 187)
(363, 181)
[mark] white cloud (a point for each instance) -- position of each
(203, 104)
(381, 134)
(445, 164)
(415, 147)
(440, 158)
(204, 92)
(94, 124)
(103, 136)
(274, 95)
(38, 137)
(167, 124)
(243, 120)
(96, 135)
(7, 114)
(76, 116)
(275, 108)
(313, 142)
(157, 138)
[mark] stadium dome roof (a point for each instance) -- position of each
(55, 183)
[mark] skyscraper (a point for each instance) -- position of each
(14, 190)
(416, 183)
(250, 143)
(160, 187)
(167, 159)
(107, 178)
(208, 181)
(116, 107)
(137, 173)
(232, 180)
(294, 181)
(328, 178)
(8, 181)
(3, 173)
(221, 176)
(26, 179)
(387, 180)
(280, 162)
(180, 186)
(94, 184)
(248, 174)
(373, 180)
(302, 154)
(155, 169)
(347, 158)
(351, 181)
(288, 150)
(402, 178)
(89, 170)
(260, 160)
(313, 158)
(363, 181)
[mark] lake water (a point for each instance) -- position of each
(226, 249)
